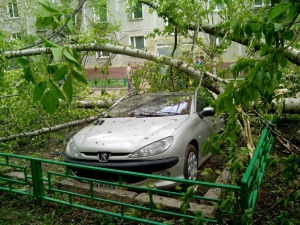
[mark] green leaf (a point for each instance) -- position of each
(57, 53)
(264, 50)
(279, 9)
(68, 88)
(228, 2)
(43, 22)
(52, 68)
(292, 13)
(28, 74)
(69, 25)
(50, 102)
(48, 43)
(278, 26)
(61, 73)
(78, 76)
(70, 58)
(39, 90)
(55, 90)
(253, 93)
(283, 62)
(49, 8)
(23, 62)
(289, 34)
(248, 30)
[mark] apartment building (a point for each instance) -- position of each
(136, 24)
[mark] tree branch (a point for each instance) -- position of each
(50, 129)
(292, 54)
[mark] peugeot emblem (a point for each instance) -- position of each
(103, 156)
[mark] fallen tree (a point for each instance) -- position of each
(49, 129)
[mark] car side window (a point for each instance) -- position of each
(201, 102)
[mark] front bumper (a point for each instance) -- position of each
(148, 167)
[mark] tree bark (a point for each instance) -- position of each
(123, 50)
(289, 105)
(49, 129)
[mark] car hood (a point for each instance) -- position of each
(126, 134)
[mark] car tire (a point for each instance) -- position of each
(190, 163)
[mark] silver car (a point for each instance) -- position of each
(153, 133)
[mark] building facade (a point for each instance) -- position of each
(135, 26)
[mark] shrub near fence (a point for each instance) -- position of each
(42, 184)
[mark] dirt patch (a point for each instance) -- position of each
(274, 187)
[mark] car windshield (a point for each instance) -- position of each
(153, 104)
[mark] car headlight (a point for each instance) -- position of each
(72, 149)
(154, 148)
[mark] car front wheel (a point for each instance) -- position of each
(190, 163)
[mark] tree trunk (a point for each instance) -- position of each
(49, 129)
(289, 105)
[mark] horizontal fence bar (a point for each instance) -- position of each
(53, 177)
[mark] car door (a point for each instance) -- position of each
(206, 124)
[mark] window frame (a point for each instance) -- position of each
(15, 36)
(256, 6)
(131, 12)
(97, 18)
(220, 6)
(102, 55)
(134, 38)
(13, 10)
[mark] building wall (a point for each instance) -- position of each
(129, 28)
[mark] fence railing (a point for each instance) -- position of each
(45, 180)
(253, 176)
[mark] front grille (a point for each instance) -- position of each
(100, 175)
(95, 154)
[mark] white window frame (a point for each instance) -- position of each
(220, 7)
(97, 18)
(102, 55)
(11, 6)
(131, 14)
(14, 36)
(134, 38)
(260, 5)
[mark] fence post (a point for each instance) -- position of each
(37, 181)
(125, 82)
(244, 201)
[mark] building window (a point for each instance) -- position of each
(135, 12)
(12, 9)
(100, 14)
(14, 36)
(101, 54)
(164, 49)
(260, 3)
(220, 6)
(138, 42)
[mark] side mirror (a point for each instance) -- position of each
(207, 111)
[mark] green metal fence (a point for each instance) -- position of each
(43, 180)
(253, 176)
